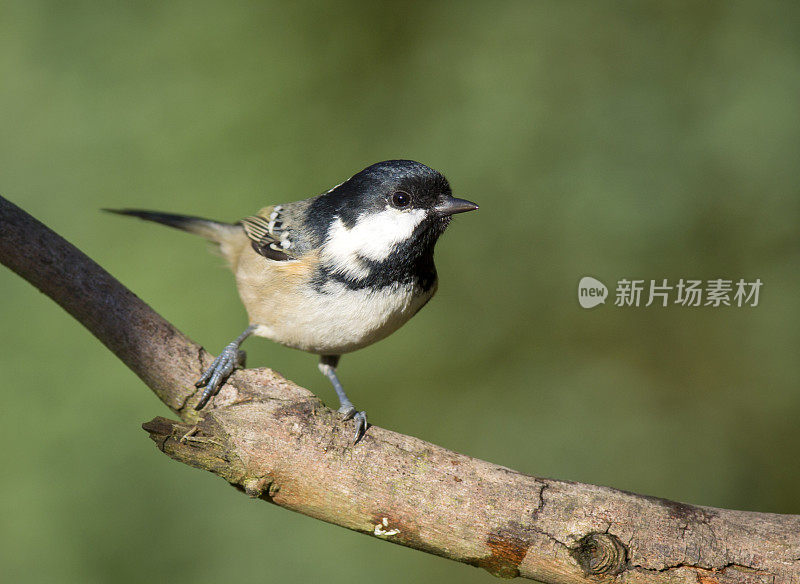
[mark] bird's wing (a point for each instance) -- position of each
(269, 234)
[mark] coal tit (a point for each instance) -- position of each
(333, 273)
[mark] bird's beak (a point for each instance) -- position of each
(451, 206)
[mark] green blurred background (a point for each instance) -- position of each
(639, 140)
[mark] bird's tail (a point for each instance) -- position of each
(212, 230)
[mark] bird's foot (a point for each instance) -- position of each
(360, 419)
(221, 368)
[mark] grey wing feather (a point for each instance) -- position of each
(272, 233)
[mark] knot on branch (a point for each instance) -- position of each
(600, 554)
(260, 488)
(203, 445)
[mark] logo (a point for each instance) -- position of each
(686, 292)
(591, 292)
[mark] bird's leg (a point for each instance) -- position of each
(327, 365)
(230, 358)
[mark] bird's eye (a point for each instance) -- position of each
(401, 199)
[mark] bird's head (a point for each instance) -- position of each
(390, 211)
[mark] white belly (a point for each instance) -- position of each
(339, 320)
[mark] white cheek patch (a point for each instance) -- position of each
(374, 236)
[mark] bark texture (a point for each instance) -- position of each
(276, 441)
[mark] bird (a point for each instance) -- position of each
(333, 273)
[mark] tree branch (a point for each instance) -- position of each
(276, 441)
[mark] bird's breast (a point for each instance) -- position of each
(290, 305)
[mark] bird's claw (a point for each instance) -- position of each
(220, 369)
(360, 419)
